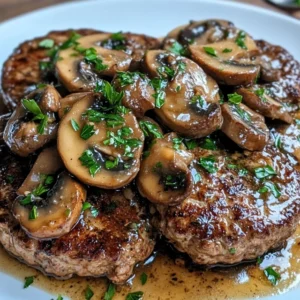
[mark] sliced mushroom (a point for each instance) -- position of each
(79, 73)
(133, 44)
(164, 177)
(21, 133)
(100, 160)
(244, 126)
(47, 163)
(191, 105)
(138, 92)
(227, 62)
(54, 216)
(3, 121)
(202, 32)
(67, 102)
(257, 98)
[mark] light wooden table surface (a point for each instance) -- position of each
(11, 8)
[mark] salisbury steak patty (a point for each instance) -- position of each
(233, 215)
(110, 244)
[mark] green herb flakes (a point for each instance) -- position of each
(110, 292)
(87, 160)
(264, 172)
(272, 275)
(235, 98)
(88, 293)
(208, 163)
(210, 51)
(28, 281)
(143, 278)
(135, 296)
(47, 43)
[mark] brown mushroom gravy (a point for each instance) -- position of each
(168, 167)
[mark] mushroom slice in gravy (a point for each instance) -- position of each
(52, 215)
(258, 99)
(33, 123)
(67, 102)
(227, 62)
(200, 33)
(244, 126)
(80, 68)
(186, 99)
(103, 149)
(138, 92)
(47, 163)
(164, 177)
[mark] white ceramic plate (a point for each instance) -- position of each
(153, 17)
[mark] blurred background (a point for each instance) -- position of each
(11, 8)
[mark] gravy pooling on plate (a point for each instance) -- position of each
(121, 146)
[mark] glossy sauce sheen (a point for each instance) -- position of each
(166, 280)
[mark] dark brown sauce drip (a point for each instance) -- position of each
(169, 280)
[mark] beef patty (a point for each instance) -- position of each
(231, 214)
(110, 244)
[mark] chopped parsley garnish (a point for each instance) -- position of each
(196, 177)
(40, 190)
(10, 179)
(135, 296)
(158, 83)
(264, 172)
(94, 211)
(191, 144)
(272, 187)
(75, 125)
(210, 51)
(68, 212)
(28, 281)
(143, 278)
(181, 66)
(242, 113)
(278, 142)
(60, 297)
(178, 88)
(110, 292)
(116, 41)
(208, 163)
(159, 98)
(120, 139)
(111, 164)
(243, 172)
(88, 293)
(208, 144)
(112, 120)
(87, 131)
(198, 99)
(177, 143)
(178, 49)
(166, 72)
(87, 160)
(150, 129)
(47, 43)
(33, 213)
(91, 56)
(272, 275)
(226, 50)
(158, 166)
(113, 97)
(235, 98)
(53, 52)
(240, 40)
(32, 107)
(232, 251)
(86, 205)
(261, 94)
(127, 78)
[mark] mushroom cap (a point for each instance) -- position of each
(77, 75)
(138, 96)
(230, 68)
(164, 164)
(201, 32)
(178, 112)
(47, 163)
(57, 214)
(71, 147)
(250, 132)
(21, 135)
(264, 104)
(67, 102)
